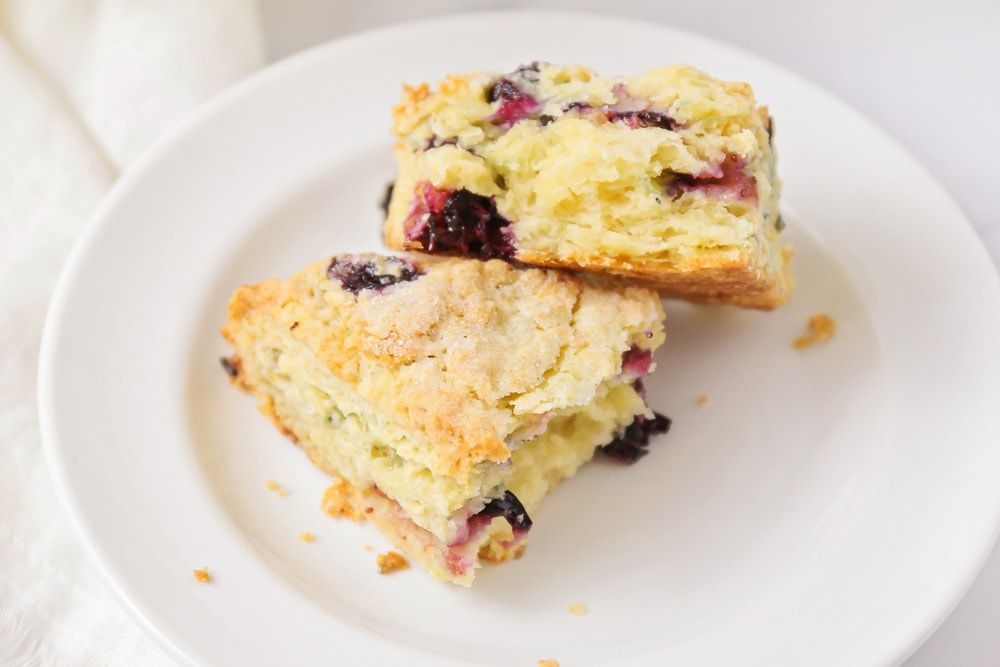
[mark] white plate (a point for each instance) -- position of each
(826, 506)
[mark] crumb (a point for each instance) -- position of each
(821, 328)
(550, 662)
(391, 561)
(274, 486)
(369, 548)
(202, 575)
(307, 537)
(337, 501)
(702, 400)
(577, 608)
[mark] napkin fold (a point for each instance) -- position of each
(86, 86)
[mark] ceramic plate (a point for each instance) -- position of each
(825, 506)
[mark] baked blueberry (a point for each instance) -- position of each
(369, 272)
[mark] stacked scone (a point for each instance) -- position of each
(667, 178)
(449, 395)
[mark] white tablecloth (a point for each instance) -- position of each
(87, 85)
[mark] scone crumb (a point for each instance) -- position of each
(577, 608)
(369, 548)
(277, 488)
(548, 662)
(702, 400)
(821, 328)
(202, 575)
(391, 561)
(307, 537)
(337, 501)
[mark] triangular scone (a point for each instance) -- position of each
(448, 396)
(666, 178)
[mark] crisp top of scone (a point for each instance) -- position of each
(469, 353)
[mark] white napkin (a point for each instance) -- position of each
(85, 87)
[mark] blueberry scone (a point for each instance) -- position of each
(447, 396)
(667, 178)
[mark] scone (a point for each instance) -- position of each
(667, 178)
(448, 396)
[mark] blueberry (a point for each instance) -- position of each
(577, 106)
(632, 444)
(459, 223)
(510, 508)
(371, 272)
(528, 72)
(514, 103)
(387, 197)
(644, 118)
(506, 90)
(231, 365)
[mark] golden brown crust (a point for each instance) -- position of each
(708, 279)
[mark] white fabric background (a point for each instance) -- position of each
(87, 85)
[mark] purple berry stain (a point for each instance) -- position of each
(636, 362)
(458, 222)
(371, 272)
(633, 443)
(726, 180)
(513, 103)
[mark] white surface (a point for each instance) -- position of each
(823, 506)
(85, 85)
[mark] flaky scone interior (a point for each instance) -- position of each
(447, 396)
(666, 178)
